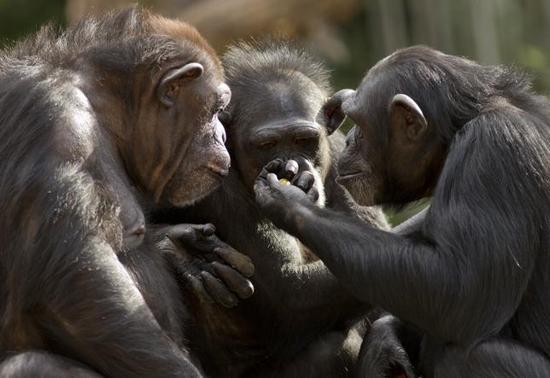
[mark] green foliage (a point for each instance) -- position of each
(20, 17)
(536, 60)
(397, 216)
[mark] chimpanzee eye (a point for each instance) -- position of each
(305, 140)
(266, 144)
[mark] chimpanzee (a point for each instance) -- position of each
(298, 322)
(98, 125)
(474, 278)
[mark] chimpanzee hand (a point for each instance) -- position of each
(280, 186)
(213, 270)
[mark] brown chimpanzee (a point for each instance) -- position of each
(97, 125)
(474, 278)
(298, 322)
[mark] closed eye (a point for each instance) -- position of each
(264, 145)
(305, 139)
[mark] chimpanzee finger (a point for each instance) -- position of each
(218, 291)
(198, 288)
(313, 195)
(271, 167)
(272, 180)
(189, 232)
(180, 231)
(194, 238)
(237, 260)
(290, 170)
(305, 181)
(234, 280)
(207, 230)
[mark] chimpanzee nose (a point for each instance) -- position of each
(224, 94)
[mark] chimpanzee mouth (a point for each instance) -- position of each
(218, 171)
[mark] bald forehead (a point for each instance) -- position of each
(286, 95)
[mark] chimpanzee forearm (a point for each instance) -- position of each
(347, 247)
(411, 285)
(304, 288)
(312, 286)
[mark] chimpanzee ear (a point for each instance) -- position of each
(406, 114)
(171, 82)
(331, 115)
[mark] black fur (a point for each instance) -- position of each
(474, 277)
(298, 321)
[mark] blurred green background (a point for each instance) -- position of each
(349, 35)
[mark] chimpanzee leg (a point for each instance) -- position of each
(43, 365)
(496, 357)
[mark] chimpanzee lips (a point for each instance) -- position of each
(220, 171)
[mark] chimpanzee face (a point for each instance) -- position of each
(178, 142)
(276, 119)
(391, 152)
(360, 167)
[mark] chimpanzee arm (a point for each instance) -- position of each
(312, 287)
(281, 276)
(65, 275)
(477, 250)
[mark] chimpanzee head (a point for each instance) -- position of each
(160, 97)
(406, 111)
(277, 93)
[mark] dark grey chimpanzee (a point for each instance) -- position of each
(97, 125)
(298, 322)
(475, 277)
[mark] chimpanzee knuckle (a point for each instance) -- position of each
(241, 262)
(199, 290)
(274, 166)
(273, 180)
(236, 282)
(218, 291)
(214, 241)
(304, 180)
(309, 179)
(313, 195)
(190, 269)
(210, 257)
(180, 232)
(291, 169)
(261, 184)
(208, 230)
